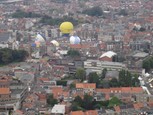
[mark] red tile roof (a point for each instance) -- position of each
(117, 108)
(138, 105)
(77, 113)
(4, 91)
(80, 46)
(121, 90)
(57, 91)
(91, 112)
(86, 85)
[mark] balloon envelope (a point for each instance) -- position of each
(54, 42)
(66, 27)
(39, 38)
(74, 40)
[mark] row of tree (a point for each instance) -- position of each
(8, 56)
(95, 11)
(22, 14)
(89, 103)
(73, 53)
(57, 21)
(147, 64)
(125, 78)
(47, 20)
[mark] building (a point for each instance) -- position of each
(86, 87)
(58, 110)
(11, 94)
(107, 56)
(98, 66)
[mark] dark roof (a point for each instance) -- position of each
(4, 37)
(3, 26)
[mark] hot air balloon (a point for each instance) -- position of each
(74, 40)
(39, 38)
(66, 28)
(55, 43)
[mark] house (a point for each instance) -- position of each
(97, 66)
(5, 38)
(88, 112)
(86, 87)
(18, 112)
(107, 56)
(126, 94)
(58, 70)
(58, 109)
(76, 113)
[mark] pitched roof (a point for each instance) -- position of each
(77, 113)
(117, 108)
(86, 85)
(121, 90)
(138, 105)
(79, 46)
(44, 79)
(91, 112)
(4, 91)
(56, 91)
(108, 54)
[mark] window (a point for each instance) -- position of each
(94, 64)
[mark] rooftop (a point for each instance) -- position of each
(4, 91)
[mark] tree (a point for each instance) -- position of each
(51, 101)
(114, 101)
(81, 74)
(103, 73)
(61, 82)
(72, 86)
(22, 14)
(94, 78)
(87, 102)
(146, 65)
(123, 12)
(114, 83)
(73, 53)
(95, 11)
(75, 107)
(78, 100)
(125, 78)
(135, 80)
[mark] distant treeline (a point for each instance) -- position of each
(8, 56)
(57, 21)
(47, 20)
(22, 14)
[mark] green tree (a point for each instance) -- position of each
(72, 86)
(78, 100)
(114, 101)
(51, 101)
(22, 14)
(114, 83)
(95, 11)
(123, 12)
(103, 73)
(146, 65)
(61, 82)
(76, 107)
(81, 74)
(125, 78)
(94, 78)
(135, 80)
(73, 53)
(87, 102)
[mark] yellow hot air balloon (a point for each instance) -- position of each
(66, 28)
